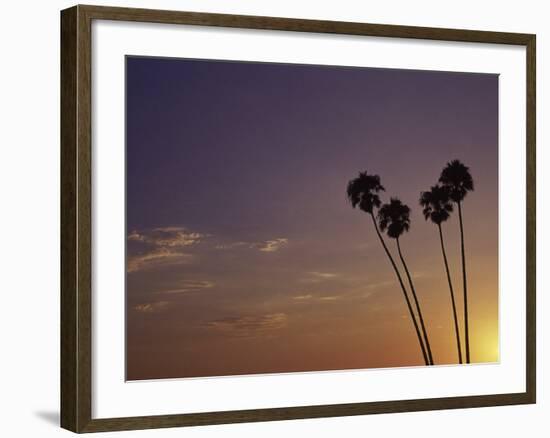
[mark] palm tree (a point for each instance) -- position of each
(457, 179)
(437, 207)
(363, 192)
(394, 218)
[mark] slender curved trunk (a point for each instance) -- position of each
(465, 285)
(402, 288)
(458, 345)
(424, 332)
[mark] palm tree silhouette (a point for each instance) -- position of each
(394, 218)
(437, 207)
(457, 179)
(363, 192)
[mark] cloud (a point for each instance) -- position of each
(339, 290)
(310, 297)
(271, 245)
(381, 284)
(169, 237)
(230, 245)
(322, 275)
(190, 286)
(164, 247)
(330, 298)
(367, 294)
(157, 257)
(420, 275)
(155, 307)
(317, 277)
(302, 297)
(249, 326)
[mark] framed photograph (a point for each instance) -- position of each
(271, 218)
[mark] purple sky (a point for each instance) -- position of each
(244, 255)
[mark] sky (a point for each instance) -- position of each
(244, 255)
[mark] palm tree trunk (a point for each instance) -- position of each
(402, 288)
(465, 284)
(424, 332)
(458, 345)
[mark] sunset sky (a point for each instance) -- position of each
(244, 255)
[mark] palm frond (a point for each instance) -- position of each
(363, 191)
(394, 218)
(457, 179)
(437, 204)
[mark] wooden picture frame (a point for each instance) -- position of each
(76, 260)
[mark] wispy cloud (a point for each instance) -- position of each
(155, 257)
(163, 245)
(304, 297)
(330, 298)
(420, 275)
(322, 275)
(153, 307)
(271, 245)
(312, 297)
(224, 246)
(167, 237)
(309, 297)
(190, 286)
(317, 276)
(249, 326)
(380, 284)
